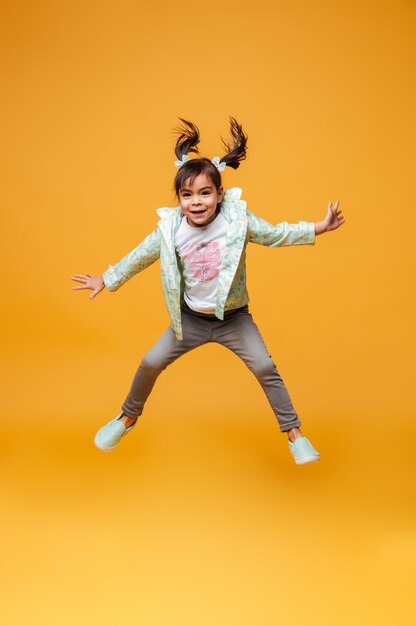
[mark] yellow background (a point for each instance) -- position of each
(201, 516)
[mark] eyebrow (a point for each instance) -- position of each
(201, 189)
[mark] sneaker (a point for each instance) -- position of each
(112, 433)
(303, 451)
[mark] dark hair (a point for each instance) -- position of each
(187, 142)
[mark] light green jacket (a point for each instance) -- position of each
(232, 292)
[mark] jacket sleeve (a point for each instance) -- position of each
(146, 253)
(283, 234)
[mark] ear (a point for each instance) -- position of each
(220, 194)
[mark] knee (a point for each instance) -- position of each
(263, 367)
(153, 363)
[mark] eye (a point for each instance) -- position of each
(206, 193)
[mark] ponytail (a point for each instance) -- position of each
(236, 152)
(188, 138)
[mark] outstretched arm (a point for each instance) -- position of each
(146, 253)
(283, 234)
(332, 220)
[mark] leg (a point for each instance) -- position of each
(240, 334)
(166, 350)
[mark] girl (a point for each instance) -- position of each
(201, 245)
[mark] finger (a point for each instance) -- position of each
(81, 287)
(79, 277)
(80, 280)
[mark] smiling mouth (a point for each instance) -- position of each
(198, 212)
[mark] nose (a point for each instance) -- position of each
(196, 201)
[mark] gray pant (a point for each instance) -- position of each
(238, 333)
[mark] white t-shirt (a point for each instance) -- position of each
(200, 250)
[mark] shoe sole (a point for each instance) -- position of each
(307, 459)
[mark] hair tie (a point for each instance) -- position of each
(184, 160)
(218, 164)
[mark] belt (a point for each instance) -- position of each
(212, 316)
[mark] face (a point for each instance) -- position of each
(199, 200)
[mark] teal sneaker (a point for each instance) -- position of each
(112, 433)
(303, 451)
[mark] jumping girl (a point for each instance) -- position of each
(201, 245)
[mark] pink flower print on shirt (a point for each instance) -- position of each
(203, 260)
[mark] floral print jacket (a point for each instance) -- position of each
(232, 293)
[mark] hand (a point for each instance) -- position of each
(332, 220)
(95, 283)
